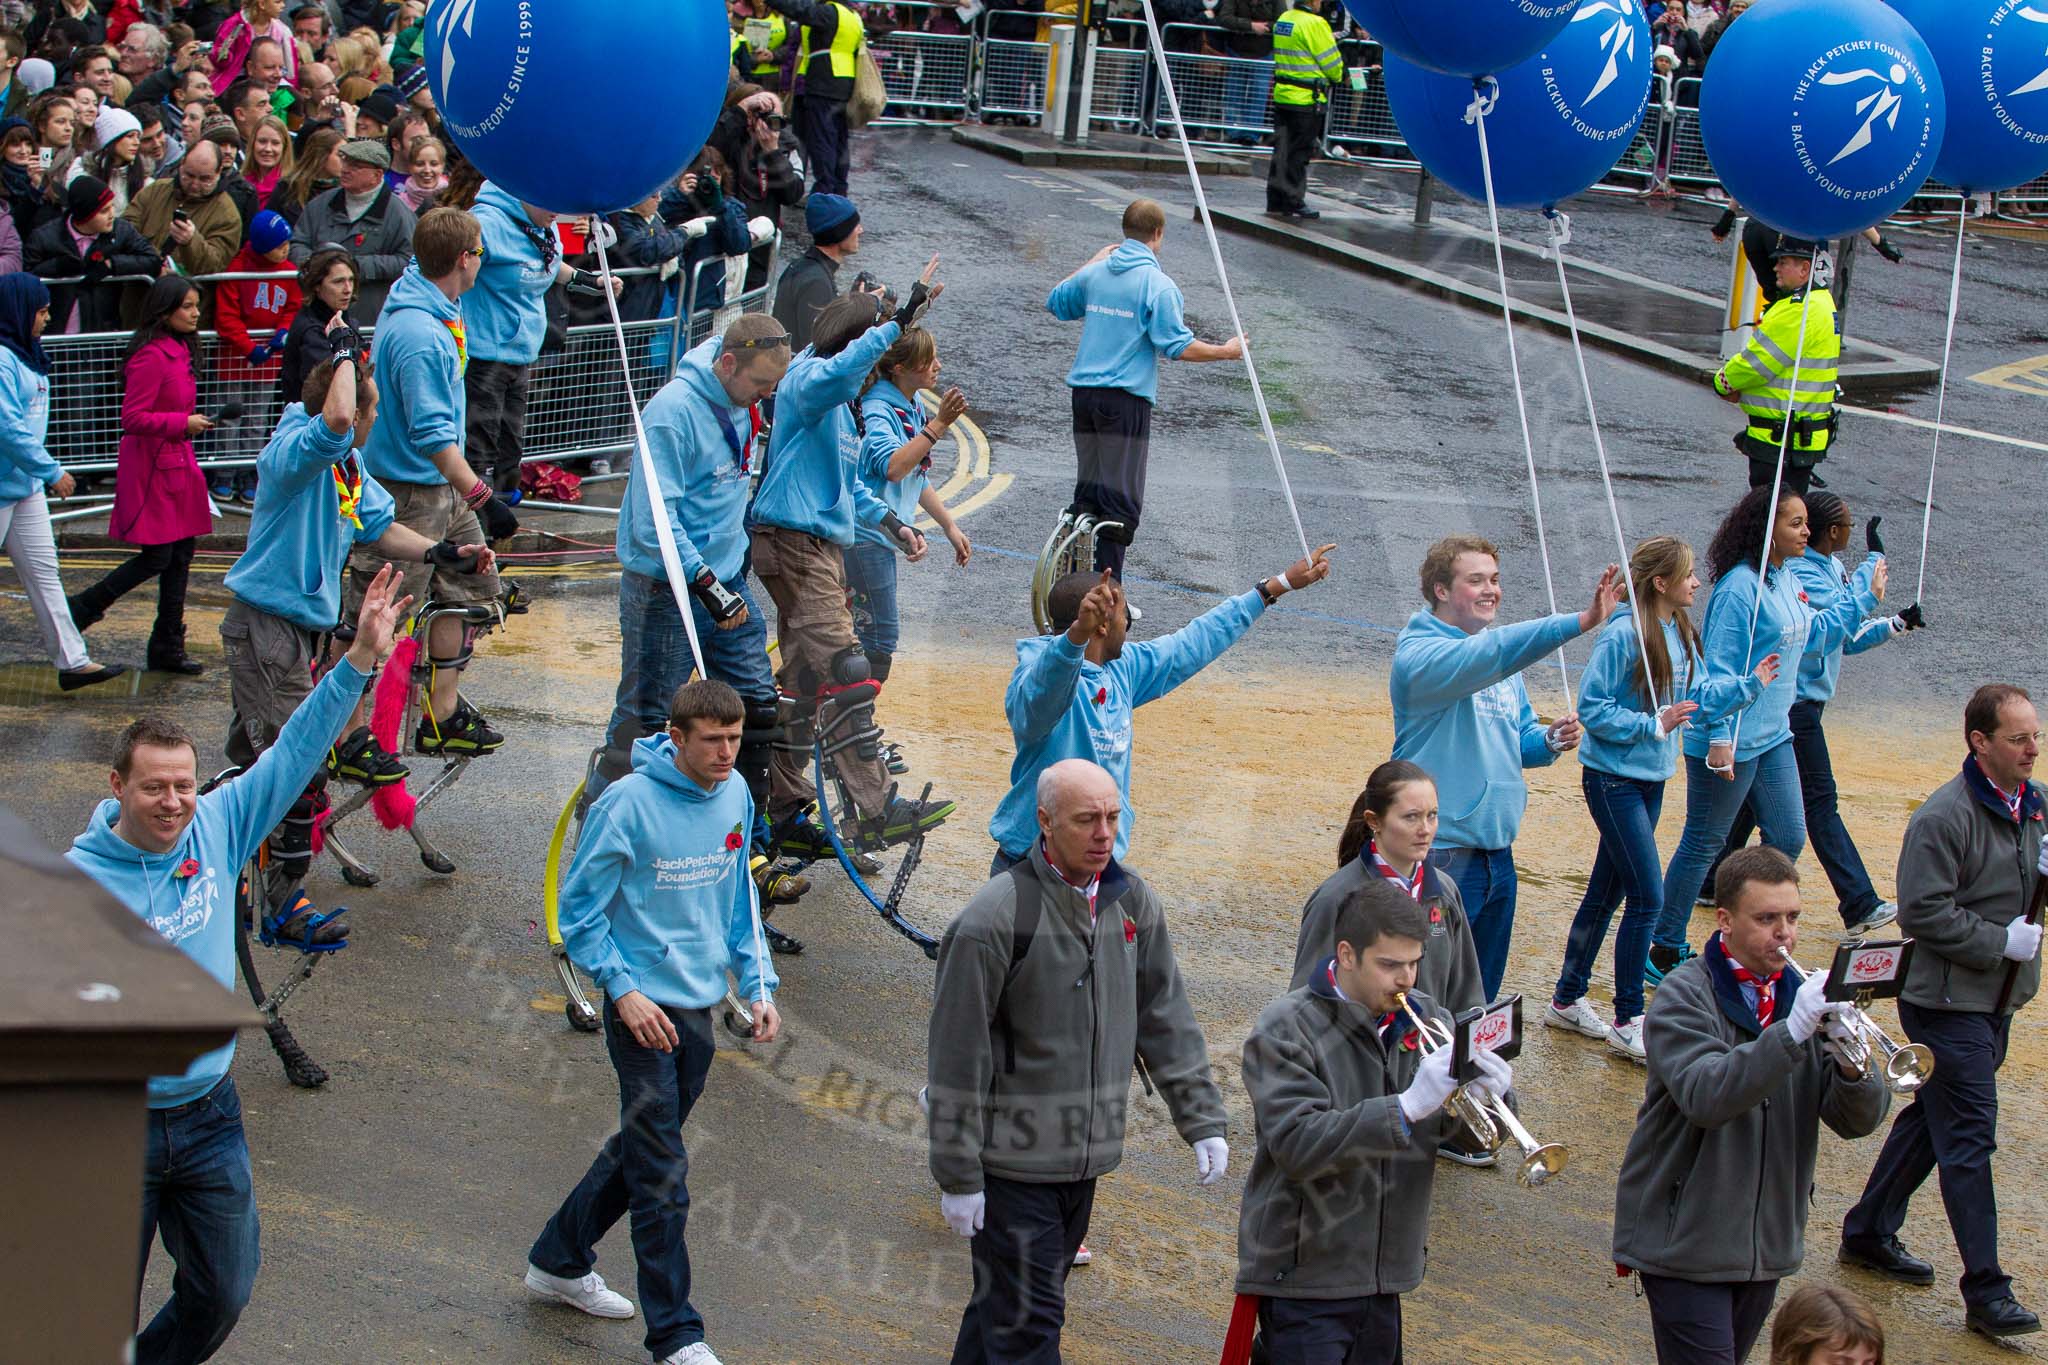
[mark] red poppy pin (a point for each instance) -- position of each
(1802, 595)
(188, 868)
(1410, 1042)
(733, 842)
(1436, 915)
(1101, 695)
(1130, 932)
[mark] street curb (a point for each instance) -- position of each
(1892, 372)
(1038, 149)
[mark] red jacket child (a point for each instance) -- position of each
(248, 314)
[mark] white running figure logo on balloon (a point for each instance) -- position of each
(1619, 41)
(2032, 16)
(461, 12)
(1883, 103)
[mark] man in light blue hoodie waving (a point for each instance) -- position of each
(1460, 711)
(172, 856)
(1130, 315)
(656, 908)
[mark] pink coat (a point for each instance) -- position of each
(159, 491)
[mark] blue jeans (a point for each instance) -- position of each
(1770, 782)
(1486, 883)
(1855, 897)
(196, 1192)
(654, 660)
(1625, 811)
(871, 578)
(643, 1169)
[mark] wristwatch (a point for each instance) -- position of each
(1266, 594)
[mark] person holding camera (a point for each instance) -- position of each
(754, 137)
(704, 191)
(187, 217)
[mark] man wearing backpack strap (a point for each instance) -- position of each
(1029, 1081)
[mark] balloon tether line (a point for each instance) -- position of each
(1485, 92)
(1955, 292)
(1223, 276)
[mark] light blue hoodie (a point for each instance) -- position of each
(1623, 737)
(197, 912)
(1130, 315)
(507, 310)
(813, 482)
(298, 540)
(419, 378)
(1061, 706)
(701, 480)
(26, 465)
(1785, 625)
(888, 419)
(1825, 579)
(1460, 711)
(659, 899)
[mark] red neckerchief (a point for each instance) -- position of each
(1766, 989)
(1412, 885)
(1094, 883)
(2012, 803)
(910, 427)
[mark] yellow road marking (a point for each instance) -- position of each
(2022, 376)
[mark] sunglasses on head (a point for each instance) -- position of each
(774, 343)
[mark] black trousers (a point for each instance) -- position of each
(1695, 1323)
(1363, 1331)
(1296, 129)
(1763, 465)
(495, 420)
(1022, 1257)
(1952, 1124)
(171, 565)
(821, 128)
(1112, 438)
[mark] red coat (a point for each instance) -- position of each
(159, 491)
(248, 312)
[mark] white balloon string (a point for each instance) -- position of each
(1763, 559)
(1216, 253)
(1955, 294)
(657, 505)
(1561, 232)
(1482, 103)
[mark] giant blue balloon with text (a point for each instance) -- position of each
(530, 90)
(1563, 118)
(1822, 117)
(1462, 37)
(1993, 58)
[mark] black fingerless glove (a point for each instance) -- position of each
(1911, 618)
(448, 555)
(349, 341)
(892, 527)
(721, 602)
(913, 307)
(587, 283)
(497, 518)
(1872, 541)
(1888, 251)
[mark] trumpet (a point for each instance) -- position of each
(1906, 1066)
(1485, 1115)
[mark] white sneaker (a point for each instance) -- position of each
(1627, 1039)
(1578, 1016)
(924, 1100)
(588, 1293)
(1083, 1256)
(600, 466)
(696, 1353)
(1887, 912)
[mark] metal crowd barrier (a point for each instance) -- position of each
(1124, 85)
(1010, 81)
(1363, 119)
(926, 74)
(1221, 96)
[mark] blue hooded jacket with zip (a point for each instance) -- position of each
(197, 912)
(888, 421)
(812, 483)
(1784, 624)
(1130, 315)
(26, 465)
(1061, 706)
(660, 899)
(506, 312)
(702, 482)
(1623, 737)
(1824, 579)
(422, 404)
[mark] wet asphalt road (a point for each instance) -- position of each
(397, 1202)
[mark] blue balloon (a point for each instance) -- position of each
(1462, 37)
(523, 85)
(1822, 117)
(1993, 59)
(1563, 119)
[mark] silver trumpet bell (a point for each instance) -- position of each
(1486, 1116)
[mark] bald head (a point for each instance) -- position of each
(1078, 807)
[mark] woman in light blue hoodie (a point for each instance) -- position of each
(1745, 751)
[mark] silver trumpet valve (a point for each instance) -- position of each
(1905, 1066)
(1489, 1118)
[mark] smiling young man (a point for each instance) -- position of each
(172, 856)
(657, 907)
(1744, 1068)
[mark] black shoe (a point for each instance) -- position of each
(1888, 1257)
(901, 821)
(2001, 1318)
(798, 836)
(71, 679)
(893, 759)
(299, 925)
(1304, 213)
(180, 663)
(360, 758)
(464, 732)
(780, 943)
(1466, 1152)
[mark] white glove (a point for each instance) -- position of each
(2022, 940)
(1430, 1088)
(1212, 1159)
(1495, 1075)
(964, 1212)
(1840, 1035)
(2042, 866)
(1807, 1007)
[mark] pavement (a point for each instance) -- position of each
(1101, 152)
(399, 1201)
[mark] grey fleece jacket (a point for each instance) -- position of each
(1337, 1203)
(1718, 1176)
(1966, 870)
(1450, 964)
(1083, 1005)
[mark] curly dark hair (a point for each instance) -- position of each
(1745, 530)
